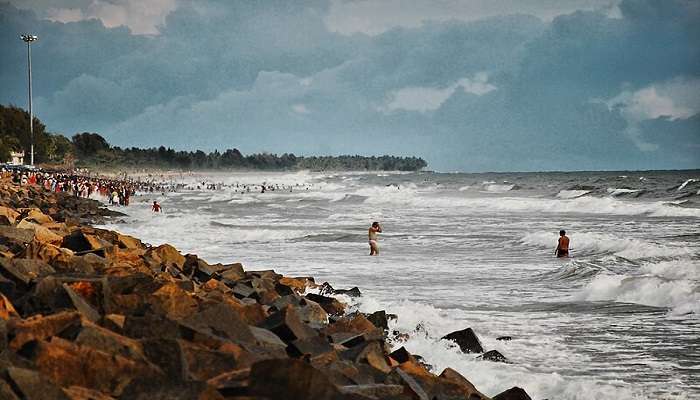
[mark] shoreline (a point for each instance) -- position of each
(90, 313)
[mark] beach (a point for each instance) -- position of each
(89, 313)
(617, 320)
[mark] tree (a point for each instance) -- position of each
(87, 144)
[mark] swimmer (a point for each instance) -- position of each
(562, 245)
(373, 245)
(156, 207)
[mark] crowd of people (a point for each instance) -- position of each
(116, 191)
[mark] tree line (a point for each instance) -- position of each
(92, 150)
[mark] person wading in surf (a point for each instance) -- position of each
(156, 207)
(373, 245)
(563, 245)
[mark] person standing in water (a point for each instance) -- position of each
(373, 245)
(562, 245)
(156, 207)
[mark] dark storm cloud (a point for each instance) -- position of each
(585, 90)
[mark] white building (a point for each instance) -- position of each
(17, 157)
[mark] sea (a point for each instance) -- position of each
(619, 319)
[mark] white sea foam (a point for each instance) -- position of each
(495, 188)
(686, 184)
(588, 243)
(572, 194)
(617, 192)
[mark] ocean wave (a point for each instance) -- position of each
(572, 194)
(624, 191)
(585, 244)
(681, 296)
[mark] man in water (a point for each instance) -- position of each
(563, 245)
(373, 245)
(156, 207)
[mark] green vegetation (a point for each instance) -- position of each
(93, 151)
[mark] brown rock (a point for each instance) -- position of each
(10, 214)
(355, 323)
(221, 320)
(24, 270)
(514, 393)
(288, 326)
(128, 242)
(33, 386)
(166, 255)
(204, 364)
(41, 234)
(330, 304)
(17, 237)
(290, 379)
(454, 376)
(68, 364)
(6, 392)
(36, 216)
(174, 302)
(41, 327)
(102, 339)
(81, 393)
(7, 310)
(375, 390)
(55, 256)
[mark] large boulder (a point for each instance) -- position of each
(466, 339)
(9, 214)
(290, 379)
(514, 393)
(41, 234)
(31, 385)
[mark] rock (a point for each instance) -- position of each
(174, 302)
(78, 241)
(504, 338)
(494, 355)
(299, 285)
(41, 234)
(102, 339)
(128, 242)
(266, 337)
(379, 319)
(6, 392)
(466, 339)
(290, 379)
(41, 327)
(81, 304)
(375, 390)
(353, 292)
(514, 393)
(288, 326)
(312, 313)
(33, 386)
(7, 310)
(370, 353)
(354, 323)
(455, 377)
(24, 270)
(221, 320)
(401, 355)
(15, 236)
(331, 305)
(69, 364)
(144, 389)
(10, 215)
(7, 286)
(312, 346)
(36, 216)
(167, 255)
(404, 379)
(168, 355)
(81, 393)
(55, 256)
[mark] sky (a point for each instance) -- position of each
(469, 85)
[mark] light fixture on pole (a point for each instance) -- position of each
(29, 39)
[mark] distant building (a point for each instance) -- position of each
(17, 158)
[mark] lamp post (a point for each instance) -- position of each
(29, 39)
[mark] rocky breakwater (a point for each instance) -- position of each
(88, 313)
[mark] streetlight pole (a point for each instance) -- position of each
(29, 39)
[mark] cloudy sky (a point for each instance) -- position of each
(470, 85)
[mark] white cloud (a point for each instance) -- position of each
(376, 16)
(675, 99)
(424, 99)
(142, 17)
